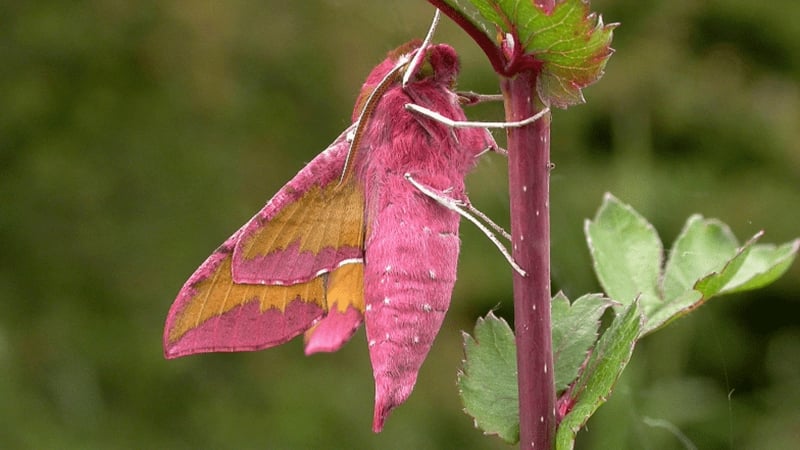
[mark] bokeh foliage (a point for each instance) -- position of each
(136, 136)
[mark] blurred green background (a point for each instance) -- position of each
(136, 136)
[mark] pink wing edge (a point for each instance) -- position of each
(246, 328)
(291, 266)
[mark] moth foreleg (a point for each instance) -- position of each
(433, 115)
(470, 98)
(466, 210)
(499, 150)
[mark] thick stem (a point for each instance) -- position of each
(529, 161)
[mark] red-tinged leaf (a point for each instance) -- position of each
(568, 47)
(574, 46)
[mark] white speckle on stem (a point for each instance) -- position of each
(524, 188)
(386, 300)
(432, 274)
(427, 307)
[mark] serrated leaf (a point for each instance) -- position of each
(488, 378)
(570, 44)
(574, 331)
(661, 313)
(703, 246)
(597, 380)
(704, 262)
(574, 45)
(626, 252)
(763, 265)
(713, 283)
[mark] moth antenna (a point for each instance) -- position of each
(412, 67)
(363, 119)
(431, 114)
(455, 205)
(470, 98)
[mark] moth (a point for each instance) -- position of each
(367, 231)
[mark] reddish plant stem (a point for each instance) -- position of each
(528, 173)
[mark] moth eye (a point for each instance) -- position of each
(425, 70)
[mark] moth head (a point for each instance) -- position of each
(439, 64)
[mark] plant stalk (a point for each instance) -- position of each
(529, 167)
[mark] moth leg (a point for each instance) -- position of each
(470, 98)
(414, 64)
(431, 114)
(468, 206)
(499, 150)
(467, 210)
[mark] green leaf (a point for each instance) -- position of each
(571, 45)
(595, 383)
(574, 330)
(705, 261)
(715, 281)
(703, 246)
(488, 379)
(626, 252)
(661, 313)
(763, 265)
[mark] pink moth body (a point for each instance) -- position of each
(412, 243)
